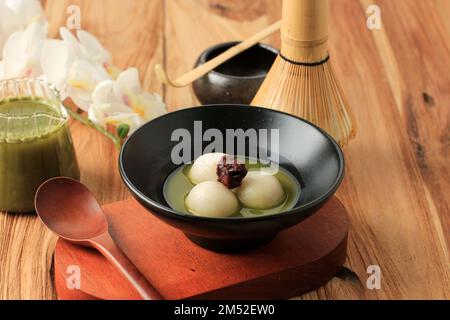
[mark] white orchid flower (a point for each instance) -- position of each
(107, 109)
(86, 46)
(128, 88)
(75, 67)
(17, 15)
(82, 78)
(28, 11)
(22, 52)
(8, 23)
(123, 101)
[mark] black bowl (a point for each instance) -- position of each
(237, 80)
(305, 150)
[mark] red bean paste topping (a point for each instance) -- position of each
(230, 173)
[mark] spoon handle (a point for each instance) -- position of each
(108, 248)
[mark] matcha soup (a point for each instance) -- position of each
(219, 185)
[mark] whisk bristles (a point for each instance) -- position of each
(310, 91)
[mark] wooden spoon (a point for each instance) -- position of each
(71, 211)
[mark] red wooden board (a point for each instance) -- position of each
(299, 259)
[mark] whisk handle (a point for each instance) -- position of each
(304, 30)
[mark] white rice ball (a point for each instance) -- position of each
(212, 199)
(205, 167)
(260, 190)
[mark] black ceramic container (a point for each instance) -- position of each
(310, 154)
(237, 80)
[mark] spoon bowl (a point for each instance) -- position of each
(77, 218)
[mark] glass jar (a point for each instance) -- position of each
(35, 141)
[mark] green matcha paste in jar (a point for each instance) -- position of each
(35, 142)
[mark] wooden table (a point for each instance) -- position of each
(397, 180)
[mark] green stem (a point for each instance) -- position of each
(84, 120)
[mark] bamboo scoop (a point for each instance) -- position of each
(203, 69)
(70, 210)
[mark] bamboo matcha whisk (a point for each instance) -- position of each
(301, 81)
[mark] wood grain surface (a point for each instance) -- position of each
(397, 180)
